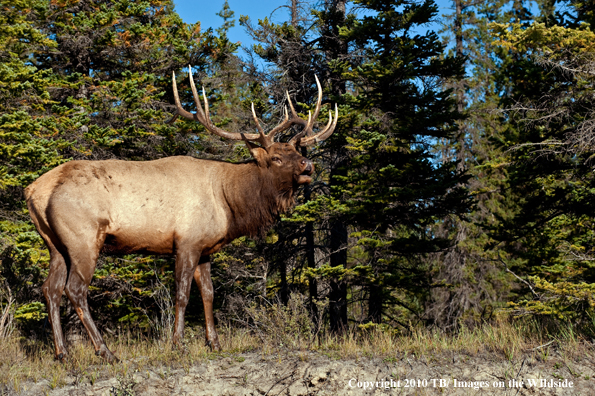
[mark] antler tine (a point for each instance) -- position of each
(318, 103)
(204, 119)
(266, 140)
(180, 110)
(293, 113)
(201, 115)
(287, 122)
(311, 118)
(302, 137)
(325, 133)
(204, 97)
(260, 130)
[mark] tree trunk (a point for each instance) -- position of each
(338, 293)
(294, 13)
(310, 257)
(375, 302)
(460, 85)
(336, 48)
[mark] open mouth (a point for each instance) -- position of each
(304, 177)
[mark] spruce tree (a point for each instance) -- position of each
(397, 190)
(28, 142)
(91, 80)
(380, 189)
(550, 152)
(112, 63)
(470, 282)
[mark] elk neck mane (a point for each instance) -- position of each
(255, 198)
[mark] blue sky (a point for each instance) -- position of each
(193, 11)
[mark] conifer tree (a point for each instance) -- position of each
(550, 172)
(112, 63)
(28, 142)
(396, 189)
(91, 80)
(378, 180)
(468, 277)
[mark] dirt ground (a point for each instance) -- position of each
(311, 373)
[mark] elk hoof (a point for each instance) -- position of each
(214, 345)
(107, 355)
(62, 357)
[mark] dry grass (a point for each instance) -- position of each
(22, 361)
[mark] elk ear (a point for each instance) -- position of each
(257, 152)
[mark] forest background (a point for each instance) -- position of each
(457, 188)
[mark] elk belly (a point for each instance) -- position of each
(129, 241)
(214, 248)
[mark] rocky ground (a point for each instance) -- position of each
(310, 373)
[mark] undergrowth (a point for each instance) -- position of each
(23, 361)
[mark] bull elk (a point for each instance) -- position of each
(178, 205)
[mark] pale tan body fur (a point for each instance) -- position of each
(146, 206)
(175, 205)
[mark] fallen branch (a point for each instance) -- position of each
(535, 294)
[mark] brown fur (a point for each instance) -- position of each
(253, 215)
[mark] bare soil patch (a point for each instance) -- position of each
(553, 371)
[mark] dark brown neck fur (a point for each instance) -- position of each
(255, 200)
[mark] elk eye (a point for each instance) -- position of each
(277, 160)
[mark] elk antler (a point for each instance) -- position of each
(302, 138)
(265, 140)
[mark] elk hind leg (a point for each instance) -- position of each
(202, 276)
(77, 288)
(53, 288)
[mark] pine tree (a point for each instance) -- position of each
(378, 180)
(112, 64)
(550, 171)
(469, 278)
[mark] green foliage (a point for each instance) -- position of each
(27, 145)
(379, 189)
(34, 311)
(456, 180)
(87, 80)
(548, 226)
(394, 189)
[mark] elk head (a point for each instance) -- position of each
(282, 158)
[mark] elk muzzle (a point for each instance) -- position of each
(307, 168)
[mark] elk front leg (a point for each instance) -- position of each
(186, 263)
(202, 276)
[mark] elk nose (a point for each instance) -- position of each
(308, 166)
